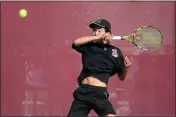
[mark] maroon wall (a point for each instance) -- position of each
(39, 68)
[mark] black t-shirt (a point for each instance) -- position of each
(100, 61)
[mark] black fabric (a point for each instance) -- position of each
(88, 97)
(81, 48)
(99, 61)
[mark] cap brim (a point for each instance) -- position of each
(92, 25)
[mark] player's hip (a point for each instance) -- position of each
(88, 92)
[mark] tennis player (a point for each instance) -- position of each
(100, 61)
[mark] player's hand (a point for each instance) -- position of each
(108, 37)
(128, 61)
(101, 36)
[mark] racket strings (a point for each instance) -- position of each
(150, 38)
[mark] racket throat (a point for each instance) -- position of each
(117, 37)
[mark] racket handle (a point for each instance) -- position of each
(116, 37)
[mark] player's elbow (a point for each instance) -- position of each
(78, 42)
(75, 44)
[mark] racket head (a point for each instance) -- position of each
(147, 38)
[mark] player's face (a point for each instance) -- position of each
(96, 31)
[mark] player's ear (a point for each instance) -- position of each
(108, 31)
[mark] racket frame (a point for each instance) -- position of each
(132, 36)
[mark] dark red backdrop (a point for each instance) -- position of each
(39, 68)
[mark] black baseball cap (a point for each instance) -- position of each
(102, 23)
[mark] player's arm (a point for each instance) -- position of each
(123, 74)
(121, 71)
(81, 43)
(84, 40)
(123, 66)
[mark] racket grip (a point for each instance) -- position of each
(116, 37)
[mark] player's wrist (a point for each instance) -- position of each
(126, 69)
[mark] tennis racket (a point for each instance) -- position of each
(146, 38)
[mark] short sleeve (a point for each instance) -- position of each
(120, 63)
(81, 48)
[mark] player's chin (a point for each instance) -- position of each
(105, 42)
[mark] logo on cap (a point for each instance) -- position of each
(99, 21)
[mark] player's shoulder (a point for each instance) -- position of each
(116, 48)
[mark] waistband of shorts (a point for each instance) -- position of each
(93, 87)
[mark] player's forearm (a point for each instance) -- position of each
(123, 75)
(84, 40)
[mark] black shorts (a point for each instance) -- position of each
(88, 97)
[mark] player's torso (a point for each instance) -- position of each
(99, 58)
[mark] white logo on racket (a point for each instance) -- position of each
(114, 53)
